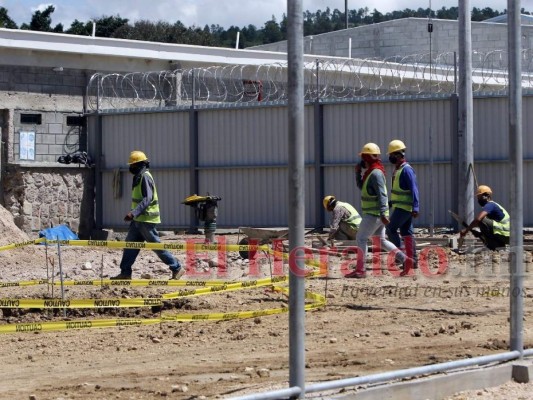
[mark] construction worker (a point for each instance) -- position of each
(374, 206)
(344, 221)
(404, 201)
(143, 218)
(493, 221)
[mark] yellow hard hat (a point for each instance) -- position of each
(137, 156)
(483, 189)
(327, 201)
(370, 148)
(396, 145)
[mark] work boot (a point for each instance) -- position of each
(177, 273)
(355, 274)
(120, 277)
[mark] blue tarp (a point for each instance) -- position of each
(60, 232)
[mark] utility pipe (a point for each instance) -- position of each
(411, 372)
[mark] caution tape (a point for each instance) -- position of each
(203, 288)
(320, 301)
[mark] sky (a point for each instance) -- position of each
(225, 13)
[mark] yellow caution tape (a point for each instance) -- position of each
(206, 287)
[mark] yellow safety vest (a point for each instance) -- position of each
(401, 198)
(502, 227)
(370, 203)
(354, 220)
(151, 213)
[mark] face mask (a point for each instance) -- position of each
(393, 159)
(135, 168)
(482, 201)
(362, 163)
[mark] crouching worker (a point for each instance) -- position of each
(493, 221)
(344, 221)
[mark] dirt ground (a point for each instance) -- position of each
(371, 325)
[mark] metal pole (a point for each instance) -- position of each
(516, 171)
(193, 153)
(466, 123)
(319, 151)
(346, 13)
(61, 279)
(296, 196)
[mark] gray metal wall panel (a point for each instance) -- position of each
(257, 137)
(164, 137)
(491, 128)
(349, 126)
(248, 136)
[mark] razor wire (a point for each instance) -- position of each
(325, 80)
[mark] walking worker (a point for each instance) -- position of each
(493, 221)
(404, 201)
(374, 206)
(143, 218)
(344, 221)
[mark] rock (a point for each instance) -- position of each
(263, 372)
(180, 388)
(333, 340)
(87, 266)
(146, 276)
(156, 340)
(33, 397)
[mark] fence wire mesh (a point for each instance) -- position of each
(325, 79)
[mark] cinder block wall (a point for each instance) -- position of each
(405, 37)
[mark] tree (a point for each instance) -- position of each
(42, 21)
(106, 26)
(5, 20)
(272, 31)
(80, 28)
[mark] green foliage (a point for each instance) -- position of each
(320, 21)
(5, 20)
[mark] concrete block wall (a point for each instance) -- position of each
(53, 137)
(405, 37)
(70, 82)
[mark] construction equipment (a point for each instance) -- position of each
(206, 210)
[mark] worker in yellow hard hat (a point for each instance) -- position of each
(493, 221)
(143, 217)
(344, 221)
(404, 202)
(374, 206)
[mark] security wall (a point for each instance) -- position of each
(241, 155)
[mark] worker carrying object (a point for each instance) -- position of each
(493, 221)
(206, 210)
(344, 221)
(404, 201)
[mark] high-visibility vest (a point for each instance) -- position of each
(401, 198)
(354, 220)
(151, 213)
(502, 227)
(370, 203)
